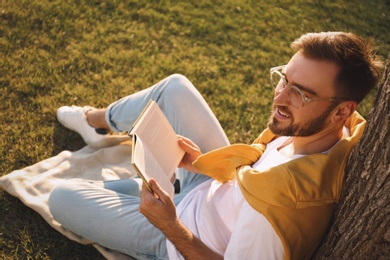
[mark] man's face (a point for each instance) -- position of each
(316, 80)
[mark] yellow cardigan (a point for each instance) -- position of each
(297, 197)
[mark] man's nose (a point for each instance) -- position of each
(282, 97)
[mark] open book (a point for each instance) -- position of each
(155, 149)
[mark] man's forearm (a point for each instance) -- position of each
(160, 210)
(187, 244)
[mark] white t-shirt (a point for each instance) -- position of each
(218, 214)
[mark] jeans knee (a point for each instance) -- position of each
(55, 201)
(178, 78)
(59, 200)
(178, 84)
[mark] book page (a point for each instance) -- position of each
(159, 142)
(147, 167)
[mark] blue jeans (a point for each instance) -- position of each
(107, 212)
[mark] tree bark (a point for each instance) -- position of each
(361, 222)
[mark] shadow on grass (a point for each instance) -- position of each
(34, 238)
(65, 139)
(24, 234)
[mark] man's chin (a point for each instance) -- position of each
(277, 129)
(280, 132)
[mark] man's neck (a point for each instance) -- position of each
(317, 143)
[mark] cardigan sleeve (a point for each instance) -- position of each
(221, 164)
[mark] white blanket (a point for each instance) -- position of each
(108, 159)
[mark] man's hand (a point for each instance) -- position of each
(157, 207)
(160, 210)
(192, 152)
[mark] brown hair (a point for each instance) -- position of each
(360, 68)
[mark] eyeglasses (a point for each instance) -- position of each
(296, 97)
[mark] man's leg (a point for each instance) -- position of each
(182, 104)
(111, 218)
(184, 107)
(107, 217)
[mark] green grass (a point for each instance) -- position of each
(55, 53)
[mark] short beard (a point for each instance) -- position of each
(310, 128)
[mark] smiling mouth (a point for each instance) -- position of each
(281, 114)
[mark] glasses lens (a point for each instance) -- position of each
(295, 97)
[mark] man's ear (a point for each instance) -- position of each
(343, 111)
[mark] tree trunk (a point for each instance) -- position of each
(361, 224)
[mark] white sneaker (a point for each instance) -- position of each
(75, 119)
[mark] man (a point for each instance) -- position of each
(271, 200)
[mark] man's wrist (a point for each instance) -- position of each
(187, 243)
(172, 227)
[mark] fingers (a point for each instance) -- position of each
(161, 194)
(187, 141)
(149, 199)
(146, 193)
(157, 192)
(187, 145)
